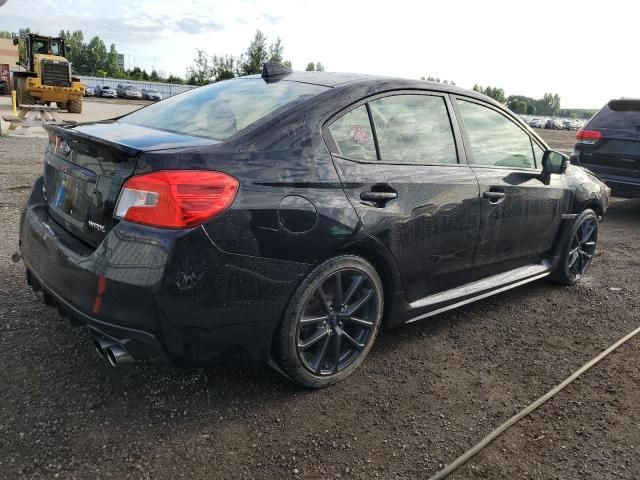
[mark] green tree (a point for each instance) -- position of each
(75, 47)
(518, 107)
(496, 93)
(224, 67)
(319, 67)
(96, 55)
(256, 54)
(201, 72)
(175, 79)
(276, 50)
(531, 109)
(112, 61)
(311, 67)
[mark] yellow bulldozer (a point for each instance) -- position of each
(47, 77)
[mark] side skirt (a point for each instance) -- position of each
(459, 296)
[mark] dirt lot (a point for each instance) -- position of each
(94, 109)
(426, 393)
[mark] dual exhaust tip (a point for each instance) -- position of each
(113, 352)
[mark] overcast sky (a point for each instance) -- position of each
(585, 51)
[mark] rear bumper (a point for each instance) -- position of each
(621, 184)
(169, 295)
(141, 345)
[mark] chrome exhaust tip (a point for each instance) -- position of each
(101, 344)
(116, 355)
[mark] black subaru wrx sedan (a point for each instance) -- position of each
(288, 217)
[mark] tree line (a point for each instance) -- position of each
(207, 68)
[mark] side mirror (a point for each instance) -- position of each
(554, 162)
(16, 40)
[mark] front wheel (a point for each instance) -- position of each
(331, 322)
(578, 249)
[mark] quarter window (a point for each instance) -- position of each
(352, 133)
(538, 152)
(495, 140)
(413, 129)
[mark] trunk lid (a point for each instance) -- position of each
(85, 167)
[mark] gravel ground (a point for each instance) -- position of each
(427, 392)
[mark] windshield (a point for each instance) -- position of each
(222, 109)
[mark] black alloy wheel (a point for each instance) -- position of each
(337, 322)
(583, 247)
(579, 247)
(332, 322)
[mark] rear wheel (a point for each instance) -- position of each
(75, 106)
(331, 322)
(578, 249)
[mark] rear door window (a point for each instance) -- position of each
(413, 129)
(495, 140)
(353, 136)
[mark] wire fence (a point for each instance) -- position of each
(166, 89)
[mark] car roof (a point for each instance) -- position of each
(346, 80)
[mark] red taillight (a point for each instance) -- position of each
(588, 137)
(176, 198)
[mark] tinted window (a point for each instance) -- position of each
(220, 110)
(623, 115)
(495, 140)
(413, 129)
(352, 134)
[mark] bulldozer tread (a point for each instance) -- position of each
(75, 106)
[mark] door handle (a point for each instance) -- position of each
(494, 197)
(378, 196)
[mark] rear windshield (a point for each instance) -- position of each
(618, 114)
(220, 110)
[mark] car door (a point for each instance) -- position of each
(397, 158)
(521, 210)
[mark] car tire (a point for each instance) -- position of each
(321, 340)
(578, 248)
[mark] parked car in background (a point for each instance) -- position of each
(150, 94)
(285, 218)
(536, 123)
(553, 124)
(568, 124)
(89, 91)
(128, 91)
(105, 91)
(609, 145)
